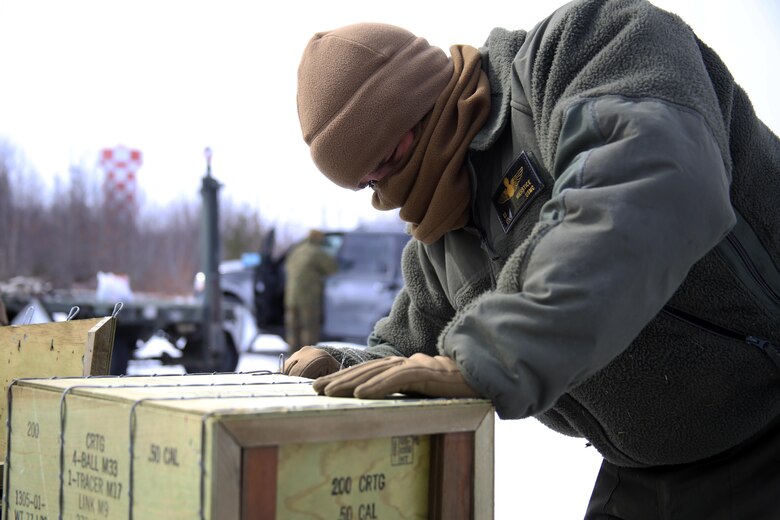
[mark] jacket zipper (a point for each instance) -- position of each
(750, 266)
(766, 346)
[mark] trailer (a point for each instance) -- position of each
(180, 321)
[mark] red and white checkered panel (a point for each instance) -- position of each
(120, 158)
(119, 185)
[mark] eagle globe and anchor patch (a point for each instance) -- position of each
(519, 187)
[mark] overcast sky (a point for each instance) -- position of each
(172, 77)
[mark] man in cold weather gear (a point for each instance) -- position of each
(596, 243)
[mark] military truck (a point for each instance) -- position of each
(360, 293)
(363, 289)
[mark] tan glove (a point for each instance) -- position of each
(311, 362)
(420, 374)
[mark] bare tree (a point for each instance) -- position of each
(21, 211)
(68, 238)
(241, 229)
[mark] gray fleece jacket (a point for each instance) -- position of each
(619, 278)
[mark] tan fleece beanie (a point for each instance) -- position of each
(360, 88)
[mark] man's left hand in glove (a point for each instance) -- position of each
(436, 376)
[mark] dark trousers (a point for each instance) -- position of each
(742, 483)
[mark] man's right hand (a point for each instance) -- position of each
(311, 362)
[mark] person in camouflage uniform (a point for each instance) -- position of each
(306, 267)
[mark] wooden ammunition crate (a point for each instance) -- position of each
(70, 348)
(240, 446)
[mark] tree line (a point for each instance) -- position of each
(66, 234)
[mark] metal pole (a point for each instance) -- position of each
(213, 337)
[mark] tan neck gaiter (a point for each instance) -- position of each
(432, 188)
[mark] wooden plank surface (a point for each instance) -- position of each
(70, 348)
(169, 463)
(224, 500)
(375, 419)
(258, 496)
(370, 478)
(169, 380)
(32, 476)
(452, 476)
(484, 468)
(100, 343)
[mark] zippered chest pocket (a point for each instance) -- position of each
(767, 347)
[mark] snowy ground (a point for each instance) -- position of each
(539, 474)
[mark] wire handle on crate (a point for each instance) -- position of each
(28, 315)
(73, 312)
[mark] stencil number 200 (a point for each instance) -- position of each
(341, 486)
(33, 429)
